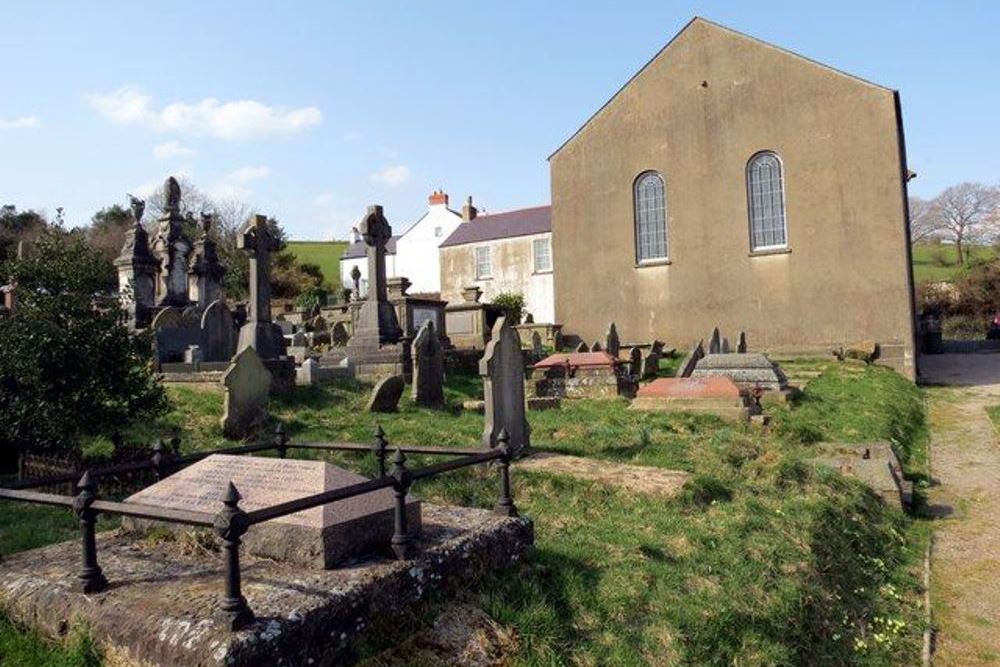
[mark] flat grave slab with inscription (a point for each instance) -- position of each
(319, 537)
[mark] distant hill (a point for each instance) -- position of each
(936, 262)
(325, 254)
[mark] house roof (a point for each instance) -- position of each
(703, 21)
(522, 222)
(359, 249)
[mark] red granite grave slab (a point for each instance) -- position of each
(684, 388)
(576, 360)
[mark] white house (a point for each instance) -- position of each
(413, 254)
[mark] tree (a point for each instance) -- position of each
(967, 213)
(107, 230)
(69, 367)
(16, 226)
(923, 225)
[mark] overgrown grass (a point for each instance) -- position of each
(763, 559)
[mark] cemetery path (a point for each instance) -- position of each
(965, 463)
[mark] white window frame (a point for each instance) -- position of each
(547, 244)
(642, 229)
(478, 262)
(757, 208)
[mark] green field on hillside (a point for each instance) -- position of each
(937, 262)
(325, 254)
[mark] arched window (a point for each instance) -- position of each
(766, 202)
(650, 218)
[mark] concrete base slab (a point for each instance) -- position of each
(160, 608)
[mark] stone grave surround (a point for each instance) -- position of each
(321, 537)
(581, 375)
(874, 463)
(718, 396)
(751, 371)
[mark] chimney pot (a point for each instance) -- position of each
(469, 211)
(438, 197)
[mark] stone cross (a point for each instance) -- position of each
(502, 368)
(257, 242)
(376, 232)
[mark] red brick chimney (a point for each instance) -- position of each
(469, 211)
(438, 197)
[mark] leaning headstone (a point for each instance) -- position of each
(502, 369)
(581, 347)
(247, 382)
(428, 367)
(596, 347)
(715, 344)
(611, 342)
(339, 335)
(741, 346)
(386, 394)
(690, 362)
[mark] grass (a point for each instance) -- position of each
(938, 262)
(325, 254)
(762, 559)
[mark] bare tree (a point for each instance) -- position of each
(966, 212)
(923, 225)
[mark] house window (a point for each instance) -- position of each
(437, 232)
(766, 202)
(484, 266)
(543, 255)
(650, 218)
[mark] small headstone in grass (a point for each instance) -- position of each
(502, 369)
(715, 344)
(428, 367)
(611, 342)
(386, 394)
(725, 346)
(635, 360)
(741, 346)
(247, 382)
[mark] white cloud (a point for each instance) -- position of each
(20, 122)
(392, 176)
(171, 149)
(247, 174)
(239, 119)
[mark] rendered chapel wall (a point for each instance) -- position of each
(846, 278)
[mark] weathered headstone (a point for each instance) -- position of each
(502, 369)
(635, 361)
(206, 271)
(259, 332)
(339, 335)
(247, 382)
(691, 360)
(168, 318)
(581, 347)
(386, 394)
(218, 332)
(172, 248)
(319, 537)
(611, 342)
(597, 347)
(307, 375)
(651, 363)
(537, 349)
(428, 367)
(193, 355)
(715, 344)
(741, 346)
(298, 339)
(725, 346)
(137, 270)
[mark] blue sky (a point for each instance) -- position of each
(310, 111)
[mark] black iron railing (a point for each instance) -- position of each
(231, 522)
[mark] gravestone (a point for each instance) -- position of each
(741, 346)
(596, 347)
(307, 375)
(386, 394)
(581, 347)
(321, 537)
(715, 344)
(502, 369)
(339, 335)
(725, 346)
(171, 247)
(265, 337)
(137, 270)
(298, 339)
(635, 361)
(428, 367)
(611, 342)
(168, 318)
(193, 355)
(206, 271)
(691, 360)
(750, 370)
(651, 362)
(247, 382)
(218, 331)
(537, 350)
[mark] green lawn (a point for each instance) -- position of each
(325, 254)
(937, 262)
(761, 560)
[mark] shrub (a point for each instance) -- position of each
(512, 304)
(69, 367)
(312, 297)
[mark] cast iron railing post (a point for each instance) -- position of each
(505, 503)
(402, 541)
(230, 525)
(281, 440)
(380, 447)
(91, 578)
